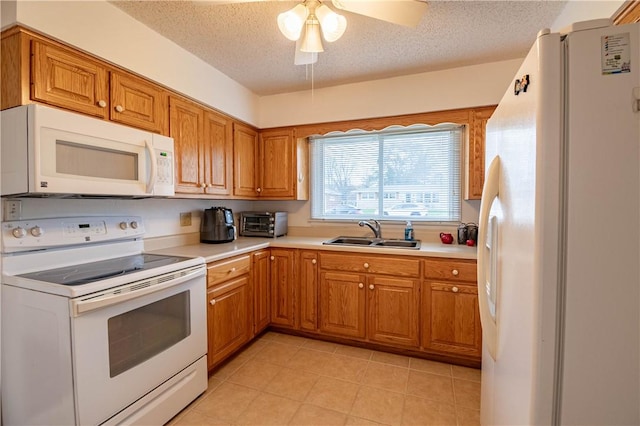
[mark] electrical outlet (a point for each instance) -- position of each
(185, 219)
(12, 209)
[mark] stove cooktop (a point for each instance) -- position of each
(95, 271)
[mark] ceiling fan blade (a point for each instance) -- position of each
(401, 12)
(304, 58)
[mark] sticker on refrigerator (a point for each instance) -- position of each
(616, 57)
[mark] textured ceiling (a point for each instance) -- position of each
(242, 40)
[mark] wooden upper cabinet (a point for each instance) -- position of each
(218, 154)
(67, 79)
(271, 165)
(185, 127)
(629, 14)
(203, 149)
(284, 165)
(138, 103)
(475, 152)
(245, 161)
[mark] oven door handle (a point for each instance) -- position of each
(130, 291)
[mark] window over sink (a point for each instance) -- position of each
(400, 173)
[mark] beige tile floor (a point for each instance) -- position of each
(288, 380)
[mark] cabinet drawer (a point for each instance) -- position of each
(390, 265)
(452, 288)
(450, 269)
(224, 270)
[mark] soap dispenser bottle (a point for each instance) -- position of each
(408, 231)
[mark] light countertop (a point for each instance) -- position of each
(213, 252)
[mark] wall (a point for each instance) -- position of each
(431, 91)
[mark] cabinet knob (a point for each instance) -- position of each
(102, 103)
(371, 287)
(119, 108)
(212, 302)
(455, 272)
(203, 185)
(360, 285)
(314, 261)
(272, 258)
(366, 266)
(258, 190)
(455, 289)
(232, 270)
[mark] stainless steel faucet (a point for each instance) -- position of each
(375, 227)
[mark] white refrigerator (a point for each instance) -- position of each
(559, 243)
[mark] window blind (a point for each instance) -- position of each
(409, 173)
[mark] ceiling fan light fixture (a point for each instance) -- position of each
(292, 21)
(332, 24)
(311, 38)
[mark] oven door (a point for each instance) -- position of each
(129, 340)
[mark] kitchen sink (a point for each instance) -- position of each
(373, 242)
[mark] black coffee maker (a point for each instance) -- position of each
(217, 226)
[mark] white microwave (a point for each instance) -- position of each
(51, 152)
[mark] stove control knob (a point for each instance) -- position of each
(19, 232)
(124, 225)
(134, 225)
(36, 231)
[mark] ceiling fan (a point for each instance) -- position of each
(311, 20)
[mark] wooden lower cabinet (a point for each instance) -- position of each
(229, 318)
(393, 310)
(261, 290)
(308, 289)
(282, 283)
(427, 305)
(450, 296)
(381, 307)
(342, 304)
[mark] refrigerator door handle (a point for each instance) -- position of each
(490, 192)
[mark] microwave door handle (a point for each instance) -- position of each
(154, 167)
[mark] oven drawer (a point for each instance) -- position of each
(224, 270)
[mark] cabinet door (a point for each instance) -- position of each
(261, 293)
(185, 127)
(138, 103)
(66, 79)
(308, 290)
(278, 157)
(342, 304)
(229, 318)
(283, 292)
(245, 161)
(393, 310)
(453, 321)
(218, 154)
(475, 155)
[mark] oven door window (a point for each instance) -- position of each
(144, 332)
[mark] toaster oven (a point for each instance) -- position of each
(263, 224)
